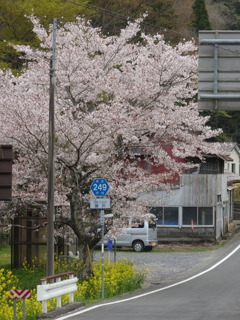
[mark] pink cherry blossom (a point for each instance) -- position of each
(115, 96)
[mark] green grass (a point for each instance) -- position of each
(120, 278)
(5, 257)
(28, 279)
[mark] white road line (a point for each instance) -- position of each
(151, 292)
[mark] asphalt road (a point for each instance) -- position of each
(211, 294)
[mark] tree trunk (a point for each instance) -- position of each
(79, 224)
(85, 259)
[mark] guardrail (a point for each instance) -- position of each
(47, 291)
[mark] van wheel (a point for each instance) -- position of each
(138, 246)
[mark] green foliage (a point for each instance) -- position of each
(230, 11)
(47, 10)
(4, 238)
(161, 14)
(113, 15)
(8, 56)
(5, 256)
(236, 192)
(229, 122)
(7, 282)
(28, 278)
(120, 277)
(16, 28)
(200, 20)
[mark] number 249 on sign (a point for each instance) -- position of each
(101, 187)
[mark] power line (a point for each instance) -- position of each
(125, 18)
(184, 35)
(237, 52)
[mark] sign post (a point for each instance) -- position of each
(100, 188)
(102, 225)
(19, 294)
(110, 247)
(192, 227)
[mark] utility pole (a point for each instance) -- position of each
(51, 138)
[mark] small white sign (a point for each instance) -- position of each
(100, 203)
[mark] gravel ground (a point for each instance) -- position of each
(165, 267)
(160, 267)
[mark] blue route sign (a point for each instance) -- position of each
(110, 245)
(99, 187)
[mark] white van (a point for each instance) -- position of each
(140, 235)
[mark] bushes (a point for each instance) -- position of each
(7, 281)
(119, 278)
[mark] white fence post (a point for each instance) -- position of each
(44, 302)
(59, 299)
(71, 294)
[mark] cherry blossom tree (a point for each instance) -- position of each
(118, 98)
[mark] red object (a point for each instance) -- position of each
(20, 294)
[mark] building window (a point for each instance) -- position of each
(200, 216)
(189, 215)
(205, 216)
(167, 216)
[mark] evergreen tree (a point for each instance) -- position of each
(200, 20)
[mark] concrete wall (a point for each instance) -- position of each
(167, 234)
(228, 168)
